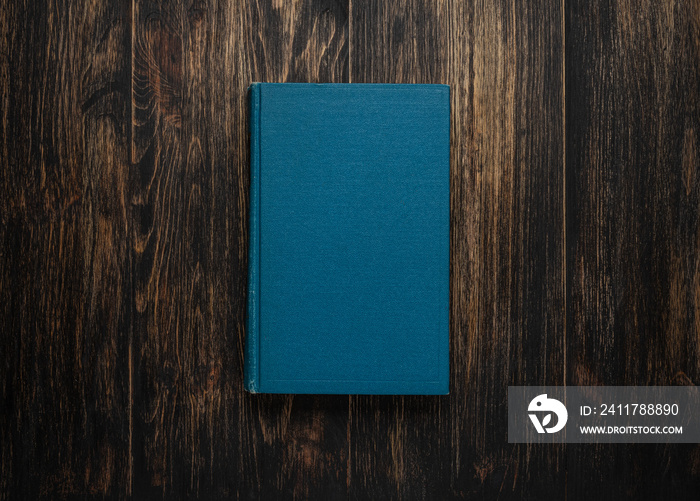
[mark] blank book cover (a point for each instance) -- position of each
(348, 288)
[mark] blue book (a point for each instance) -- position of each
(348, 286)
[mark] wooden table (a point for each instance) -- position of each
(124, 205)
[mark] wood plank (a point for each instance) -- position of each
(196, 432)
(64, 271)
(504, 63)
(633, 122)
(514, 120)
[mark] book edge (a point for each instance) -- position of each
(251, 368)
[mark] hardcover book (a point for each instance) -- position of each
(348, 286)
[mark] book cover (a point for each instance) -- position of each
(348, 286)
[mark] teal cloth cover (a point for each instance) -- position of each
(348, 286)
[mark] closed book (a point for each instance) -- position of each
(348, 284)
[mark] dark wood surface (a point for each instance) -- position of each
(632, 223)
(575, 202)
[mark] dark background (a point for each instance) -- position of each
(124, 206)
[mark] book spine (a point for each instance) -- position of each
(251, 370)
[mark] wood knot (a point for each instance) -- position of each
(157, 76)
(196, 12)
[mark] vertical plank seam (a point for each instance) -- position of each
(130, 154)
(563, 181)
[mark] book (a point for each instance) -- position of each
(348, 283)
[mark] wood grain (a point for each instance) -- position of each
(514, 120)
(633, 115)
(64, 279)
(124, 208)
